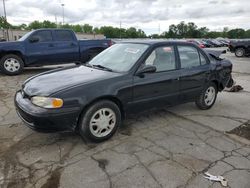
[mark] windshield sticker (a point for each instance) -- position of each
(132, 50)
(167, 49)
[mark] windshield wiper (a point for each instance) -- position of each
(88, 65)
(102, 67)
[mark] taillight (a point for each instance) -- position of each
(110, 43)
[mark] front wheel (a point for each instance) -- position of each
(207, 97)
(11, 64)
(100, 121)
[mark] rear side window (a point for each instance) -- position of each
(63, 36)
(203, 59)
(189, 56)
(43, 36)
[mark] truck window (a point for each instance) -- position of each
(63, 36)
(43, 36)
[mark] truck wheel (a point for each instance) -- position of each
(100, 121)
(240, 52)
(11, 64)
(207, 97)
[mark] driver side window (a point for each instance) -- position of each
(163, 58)
(43, 36)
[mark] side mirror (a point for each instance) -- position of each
(34, 39)
(146, 69)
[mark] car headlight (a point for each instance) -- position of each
(47, 102)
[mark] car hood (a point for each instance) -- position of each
(50, 82)
(9, 44)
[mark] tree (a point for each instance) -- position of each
(35, 25)
(247, 33)
(203, 32)
(236, 33)
(87, 28)
(182, 30)
(48, 24)
(173, 31)
(3, 23)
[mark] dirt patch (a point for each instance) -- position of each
(102, 163)
(3, 94)
(242, 131)
(54, 180)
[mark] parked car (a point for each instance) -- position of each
(197, 42)
(207, 45)
(218, 44)
(224, 42)
(241, 48)
(126, 78)
(210, 42)
(47, 47)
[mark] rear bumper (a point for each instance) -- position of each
(45, 120)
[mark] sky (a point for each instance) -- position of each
(152, 16)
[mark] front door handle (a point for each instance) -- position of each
(51, 45)
(177, 79)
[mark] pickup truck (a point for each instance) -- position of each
(47, 47)
(241, 48)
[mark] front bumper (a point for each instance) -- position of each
(45, 120)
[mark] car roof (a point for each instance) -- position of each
(154, 42)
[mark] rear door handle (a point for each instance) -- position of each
(177, 79)
(51, 45)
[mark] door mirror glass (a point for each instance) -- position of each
(34, 39)
(146, 69)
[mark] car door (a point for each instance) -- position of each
(161, 87)
(67, 48)
(194, 71)
(39, 48)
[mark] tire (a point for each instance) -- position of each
(240, 52)
(11, 64)
(97, 132)
(207, 97)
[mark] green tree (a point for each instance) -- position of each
(35, 25)
(3, 23)
(87, 28)
(173, 31)
(236, 33)
(247, 33)
(48, 24)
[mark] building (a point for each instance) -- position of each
(17, 34)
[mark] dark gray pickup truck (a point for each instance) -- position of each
(47, 47)
(241, 48)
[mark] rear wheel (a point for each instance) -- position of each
(207, 97)
(240, 52)
(11, 64)
(100, 121)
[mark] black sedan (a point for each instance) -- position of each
(126, 78)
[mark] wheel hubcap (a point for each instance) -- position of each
(11, 65)
(210, 96)
(239, 52)
(102, 122)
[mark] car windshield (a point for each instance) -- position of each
(25, 36)
(119, 57)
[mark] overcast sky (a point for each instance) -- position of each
(149, 15)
